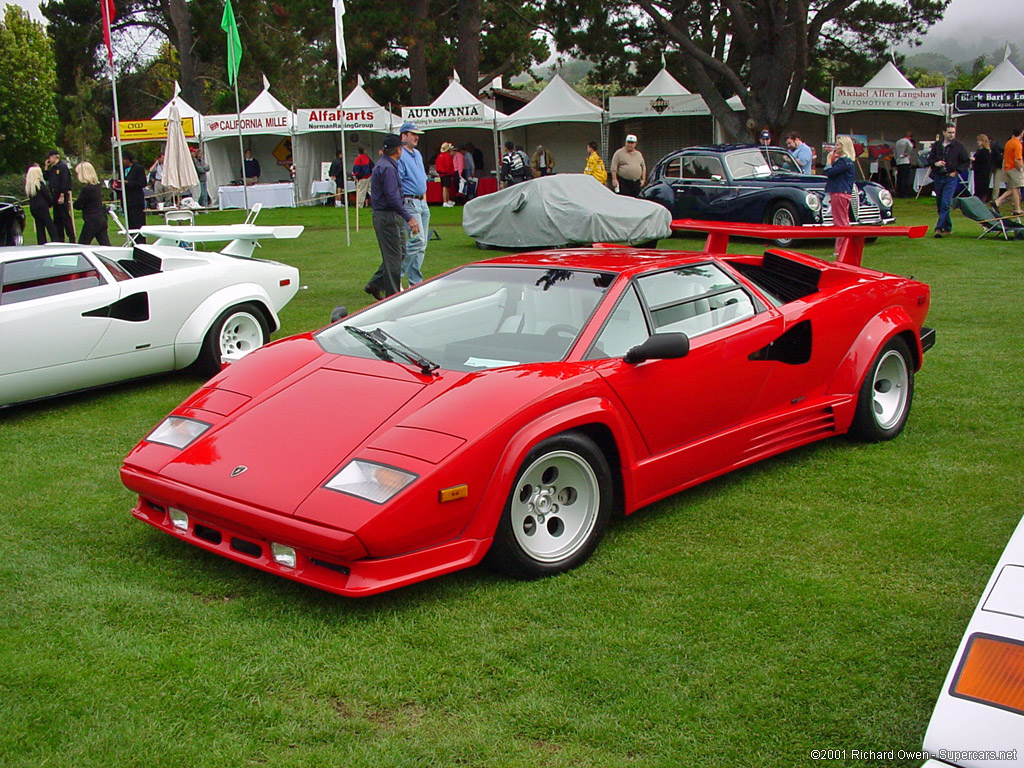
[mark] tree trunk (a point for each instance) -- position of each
(419, 93)
(181, 29)
(467, 57)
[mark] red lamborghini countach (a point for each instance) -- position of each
(504, 409)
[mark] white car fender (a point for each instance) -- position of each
(189, 341)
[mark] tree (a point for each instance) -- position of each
(28, 117)
(760, 50)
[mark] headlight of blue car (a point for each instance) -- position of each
(813, 202)
(885, 198)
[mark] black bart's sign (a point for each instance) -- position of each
(983, 101)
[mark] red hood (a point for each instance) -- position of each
(294, 440)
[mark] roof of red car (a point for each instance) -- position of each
(604, 259)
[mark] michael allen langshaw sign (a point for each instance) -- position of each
(849, 99)
(982, 101)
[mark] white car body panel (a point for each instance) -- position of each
(967, 733)
(49, 344)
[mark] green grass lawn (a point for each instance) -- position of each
(813, 601)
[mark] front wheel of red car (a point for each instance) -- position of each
(886, 395)
(557, 510)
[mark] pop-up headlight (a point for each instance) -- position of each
(373, 482)
(177, 431)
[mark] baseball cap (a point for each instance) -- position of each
(631, 137)
(409, 128)
(391, 141)
(53, 152)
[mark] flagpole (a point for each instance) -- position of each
(339, 37)
(106, 9)
(241, 148)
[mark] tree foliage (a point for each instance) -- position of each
(764, 51)
(28, 118)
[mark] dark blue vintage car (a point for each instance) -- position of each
(12, 221)
(756, 185)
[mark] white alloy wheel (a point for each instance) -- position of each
(890, 389)
(555, 506)
(240, 334)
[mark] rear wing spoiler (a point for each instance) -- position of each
(850, 252)
(243, 237)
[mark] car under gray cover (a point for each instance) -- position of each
(562, 210)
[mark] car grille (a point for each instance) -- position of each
(862, 211)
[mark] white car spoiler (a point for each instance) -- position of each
(243, 237)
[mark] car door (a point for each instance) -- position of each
(704, 188)
(49, 332)
(696, 400)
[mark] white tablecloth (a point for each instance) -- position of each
(923, 177)
(328, 187)
(279, 195)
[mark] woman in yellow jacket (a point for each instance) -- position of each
(595, 165)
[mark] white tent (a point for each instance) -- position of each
(810, 121)
(995, 106)
(185, 110)
(461, 117)
(560, 120)
(318, 136)
(664, 116)
(266, 126)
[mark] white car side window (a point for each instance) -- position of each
(37, 278)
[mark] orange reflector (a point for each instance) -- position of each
(992, 672)
(454, 493)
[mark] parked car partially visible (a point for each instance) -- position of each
(978, 720)
(754, 185)
(74, 317)
(12, 221)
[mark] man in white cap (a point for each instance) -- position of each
(628, 169)
(413, 174)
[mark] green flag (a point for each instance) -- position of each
(227, 23)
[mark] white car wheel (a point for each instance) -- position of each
(237, 332)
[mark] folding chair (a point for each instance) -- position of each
(1007, 226)
(171, 217)
(253, 213)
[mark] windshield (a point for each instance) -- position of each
(480, 317)
(757, 163)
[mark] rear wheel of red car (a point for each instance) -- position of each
(237, 332)
(886, 395)
(557, 510)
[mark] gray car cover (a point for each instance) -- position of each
(559, 210)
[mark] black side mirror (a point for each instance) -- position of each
(660, 346)
(340, 312)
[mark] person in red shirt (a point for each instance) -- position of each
(445, 166)
(362, 168)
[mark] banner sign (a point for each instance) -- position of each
(152, 130)
(848, 99)
(445, 117)
(357, 119)
(983, 101)
(657, 106)
(228, 125)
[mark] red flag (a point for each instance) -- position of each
(107, 9)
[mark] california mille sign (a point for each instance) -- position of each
(442, 116)
(364, 119)
(270, 122)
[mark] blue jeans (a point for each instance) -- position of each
(416, 247)
(945, 187)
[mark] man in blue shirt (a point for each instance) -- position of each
(389, 220)
(801, 152)
(414, 189)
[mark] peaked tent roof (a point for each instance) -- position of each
(889, 77)
(184, 108)
(664, 84)
(557, 103)
(265, 102)
(358, 98)
(457, 96)
(808, 103)
(1005, 77)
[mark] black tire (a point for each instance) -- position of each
(236, 332)
(14, 236)
(783, 214)
(557, 509)
(886, 395)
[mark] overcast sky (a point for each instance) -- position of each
(967, 20)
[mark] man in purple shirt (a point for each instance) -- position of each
(389, 220)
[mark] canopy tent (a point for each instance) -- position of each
(559, 119)
(318, 135)
(185, 110)
(664, 116)
(995, 106)
(266, 126)
(886, 107)
(810, 121)
(461, 117)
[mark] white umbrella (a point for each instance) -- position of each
(179, 170)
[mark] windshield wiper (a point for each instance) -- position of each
(383, 344)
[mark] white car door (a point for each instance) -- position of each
(46, 311)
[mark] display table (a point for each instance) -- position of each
(923, 177)
(484, 186)
(278, 195)
(328, 188)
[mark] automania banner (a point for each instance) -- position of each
(848, 99)
(438, 117)
(361, 119)
(983, 101)
(227, 125)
